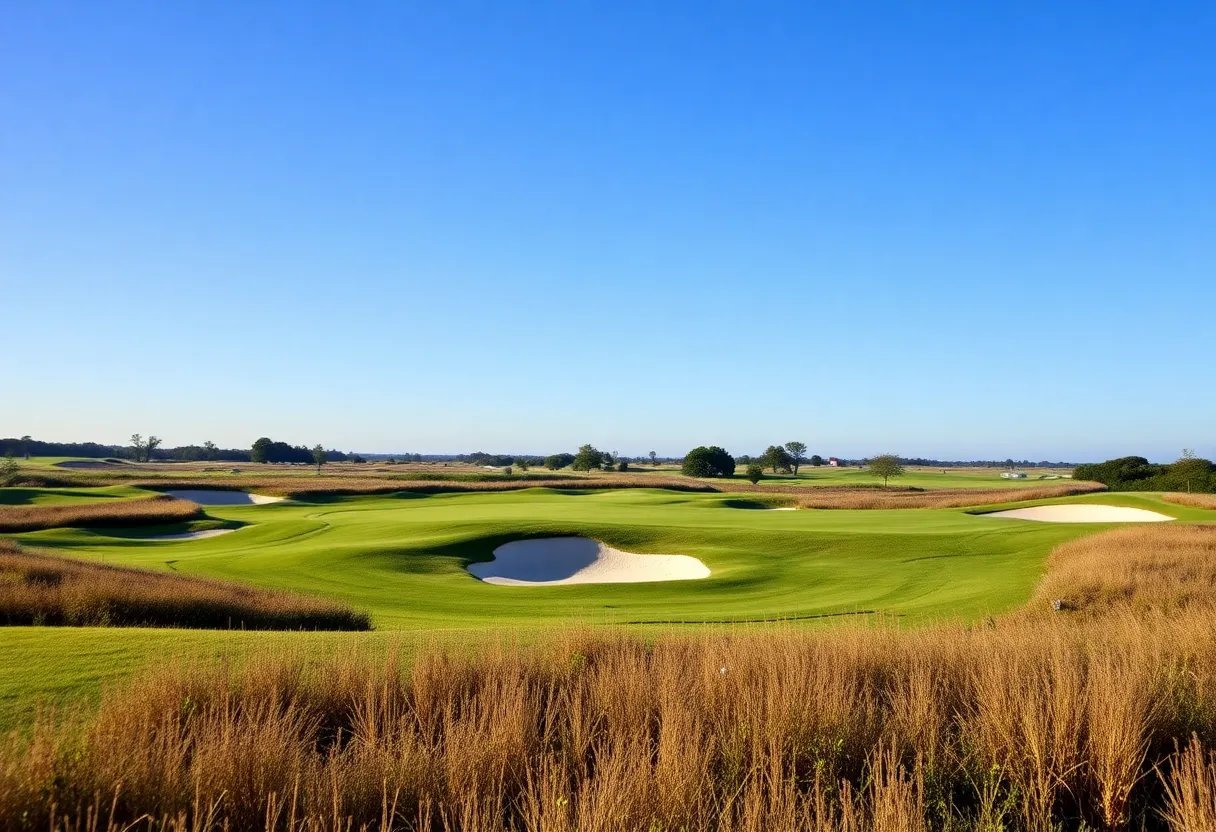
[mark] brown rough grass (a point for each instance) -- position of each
(139, 512)
(42, 589)
(943, 498)
(1168, 568)
(1196, 500)
(1017, 728)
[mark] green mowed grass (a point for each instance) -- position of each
(403, 558)
(65, 496)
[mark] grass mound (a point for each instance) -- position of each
(148, 511)
(41, 589)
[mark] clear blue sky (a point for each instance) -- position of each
(944, 229)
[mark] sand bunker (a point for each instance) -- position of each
(205, 497)
(578, 560)
(784, 508)
(191, 535)
(1082, 513)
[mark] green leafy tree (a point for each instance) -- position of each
(709, 461)
(150, 445)
(137, 447)
(209, 450)
(9, 469)
(588, 458)
(816, 460)
(1190, 474)
(755, 472)
(262, 446)
(886, 466)
(654, 459)
(797, 452)
(521, 464)
(622, 465)
(558, 461)
(25, 445)
(777, 458)
(318, 457)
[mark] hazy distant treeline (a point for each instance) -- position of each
(286, 452)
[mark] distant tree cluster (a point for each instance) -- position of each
(142, 449)
(782, 459)
(268, 450)
(709, 461)
(777, 458)
(26, 447)
(1135, 473)
(498, 460)
(558, 461)
(588, 458)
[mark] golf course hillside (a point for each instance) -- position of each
(412, 560)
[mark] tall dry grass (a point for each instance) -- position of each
(1196, 500)
(139, 512)
(1099, 719)
(870, 498)
(1165, 568)
(1019, 728)
(49, 590)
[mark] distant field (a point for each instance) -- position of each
(218, 472)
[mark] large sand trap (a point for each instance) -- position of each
(1082, 513)
(191, 535)
(578, 560)
(205, 497)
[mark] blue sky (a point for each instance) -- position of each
(958, 229)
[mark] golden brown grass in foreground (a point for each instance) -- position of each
(140, 512)
(941, 498)
(1040, 722)
(49, 590)
(1017, 727)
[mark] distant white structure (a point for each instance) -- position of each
(1013, 475)
(834, 462)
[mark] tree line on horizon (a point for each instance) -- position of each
(776, 458)
(1188, 473)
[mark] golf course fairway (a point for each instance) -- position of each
(404, 559)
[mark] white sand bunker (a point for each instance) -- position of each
(206, 497)
(1082, 513)
(578, 560)
(191, 535)
(785, 508)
